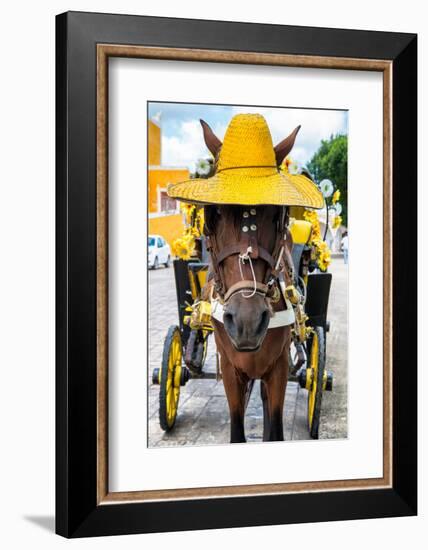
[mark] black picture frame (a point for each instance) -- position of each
(77, 512)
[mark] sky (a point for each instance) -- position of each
(183, 143)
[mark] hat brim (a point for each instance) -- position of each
(249, 187)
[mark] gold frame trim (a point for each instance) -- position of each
(104, 51)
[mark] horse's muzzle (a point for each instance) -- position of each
(246, 322)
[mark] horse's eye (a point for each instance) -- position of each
(218, 211)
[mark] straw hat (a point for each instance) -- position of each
(247, 172)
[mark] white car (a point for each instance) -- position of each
(159, 252)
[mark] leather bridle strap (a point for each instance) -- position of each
(237, 249)
(244, 286)
(279, 248)
(218, 274)
(248, 246)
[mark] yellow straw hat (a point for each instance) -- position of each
(247, 172)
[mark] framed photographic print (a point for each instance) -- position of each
(236, 248)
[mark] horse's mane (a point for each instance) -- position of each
(232, 216)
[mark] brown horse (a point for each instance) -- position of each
(245, 279)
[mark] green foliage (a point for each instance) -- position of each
(331, 162)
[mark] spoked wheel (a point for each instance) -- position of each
(170, 378)
(315, 379)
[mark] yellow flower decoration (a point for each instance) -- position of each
(288, 166)
(194, 217)
(199, 221)
(312, 217)
(337, 222)
(188, 210)
(285, 164)
(184, 246)
(336, 196)
(323, 255)
(321, 252)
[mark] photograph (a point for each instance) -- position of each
(247, 273)
(231, 235)
(213, 256)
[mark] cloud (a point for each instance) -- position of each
(316, 125)
(187, 145)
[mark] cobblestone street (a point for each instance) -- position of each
(203, 416)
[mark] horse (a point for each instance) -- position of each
(246, 270)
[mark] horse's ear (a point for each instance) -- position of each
(284, 147)
(211, 140)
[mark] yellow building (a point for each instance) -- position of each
(164, 213)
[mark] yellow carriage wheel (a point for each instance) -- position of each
(169, 378)
(314, 380)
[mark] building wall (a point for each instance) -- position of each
(169, 227)
(159, 177)
(154, 154)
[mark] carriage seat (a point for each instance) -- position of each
(301, 232)
(196, 267)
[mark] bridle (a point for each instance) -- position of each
(248, 249)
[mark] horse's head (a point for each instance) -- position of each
(246, 313)
(245, 244)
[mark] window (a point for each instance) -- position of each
(167, 203)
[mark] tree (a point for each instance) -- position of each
(331, 162)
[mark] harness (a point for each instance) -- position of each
(280, 265)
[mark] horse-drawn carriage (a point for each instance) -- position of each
(299, 283)
(186, 344)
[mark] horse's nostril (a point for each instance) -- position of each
(264, 321)
(228, 318)
(231, 324)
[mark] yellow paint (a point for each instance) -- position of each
(292, 294)
(309, 378)
(202, 276)
(297, 212)
(201, 316)
(154, 153)
(159, 178)
(159, 175)
(173, 379)
(314, 367)
(193, 287)
(168, 227)
(300, 231)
